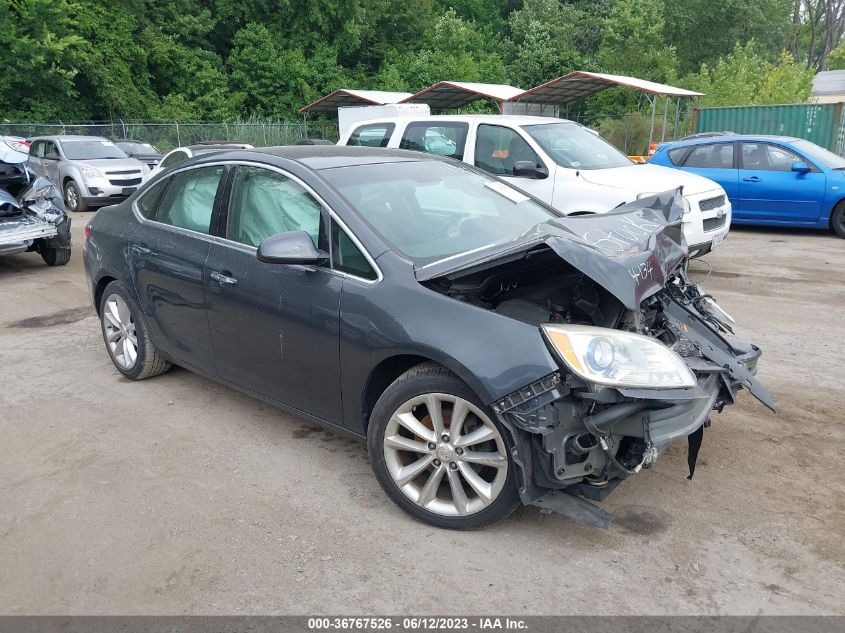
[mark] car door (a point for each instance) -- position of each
(274, 327)
(35, 162)
(499, 148)
(770, 191)
(167, 260)
(716, 161)
(51, 162)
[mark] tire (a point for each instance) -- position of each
(426, 481)
(56, 256)
(123, 321)
(837, 219)
(73, 198)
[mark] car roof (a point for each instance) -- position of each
(707, 140)
(318, 156)
(69, 137)
(513, 119)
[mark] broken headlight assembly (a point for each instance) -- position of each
(617, 359)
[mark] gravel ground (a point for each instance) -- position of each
(177, 495)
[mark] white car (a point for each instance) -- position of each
(560, 162)
(177, 155)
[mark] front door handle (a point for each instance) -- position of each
(140, 250)
(752, 179)
(223, 279)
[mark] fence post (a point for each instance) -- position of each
(264, 130)
(123, 127)
(63, 126)
(178, 139)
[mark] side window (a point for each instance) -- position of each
(371, 135)
(781, 159)
(498, 148)
(678, 155)
(348, 258)
(37, 149)
(712, 156)
(50, 150)
(441, 139)
(767, 157)
(189, 200)
(172, 159)
(264, 203)
(147, 202)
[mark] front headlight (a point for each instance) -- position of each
(618, 359)
(91, 172)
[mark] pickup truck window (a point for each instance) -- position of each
(371, 135)
(439, 138)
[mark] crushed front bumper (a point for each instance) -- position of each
(624, 429)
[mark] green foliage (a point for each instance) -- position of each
(229, 59)
(745, 77)
(836, 59)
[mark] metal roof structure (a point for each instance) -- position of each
(347, 97)
(579, 84)
(447, 95)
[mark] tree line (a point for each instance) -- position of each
(235, 59)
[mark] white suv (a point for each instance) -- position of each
(560, 162)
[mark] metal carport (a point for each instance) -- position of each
(579, 84)
(448, 95)
(347, 97)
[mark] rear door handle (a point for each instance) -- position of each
(752, 179)
(140, 250)
(223, 279)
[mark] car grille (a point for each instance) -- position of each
(126, 182)
(711, 224)
(121, 173)
(712, 203)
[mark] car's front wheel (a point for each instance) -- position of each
(438, 453)
(126, 337)
(73, 199)
(837, 219)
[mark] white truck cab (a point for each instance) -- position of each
(562, 163)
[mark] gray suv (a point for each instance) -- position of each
(90, 170)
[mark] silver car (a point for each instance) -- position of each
(91, 171)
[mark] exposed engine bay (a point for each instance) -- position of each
(575, 437)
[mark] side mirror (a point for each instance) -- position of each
(528, 169)
(800, 166)
(293, 247)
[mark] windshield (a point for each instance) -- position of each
(429, 210)
(137, 147)
(575, 147)
(91, 149)
(819, 154)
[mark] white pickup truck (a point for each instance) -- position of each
(562, 163)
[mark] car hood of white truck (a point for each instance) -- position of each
(640, 179)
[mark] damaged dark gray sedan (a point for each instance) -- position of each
(490, 350)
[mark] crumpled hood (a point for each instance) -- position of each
(631, 251)
(648, 178)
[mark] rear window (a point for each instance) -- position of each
(678, 155)
(371, 135)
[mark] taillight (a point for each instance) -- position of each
(87, 231)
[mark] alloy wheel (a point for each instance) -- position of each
(445, 454)
(72, 196)
(119, 327)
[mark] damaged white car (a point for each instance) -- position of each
(32, 213)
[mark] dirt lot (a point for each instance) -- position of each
(176, 495)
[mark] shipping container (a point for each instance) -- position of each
(820, 123)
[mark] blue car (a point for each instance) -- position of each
(770, 180)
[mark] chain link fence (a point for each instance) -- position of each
(166, 136)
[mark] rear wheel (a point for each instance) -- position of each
(56, 256)
(837, 219)
(73, 199)
(438, 453)
(125, 335)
